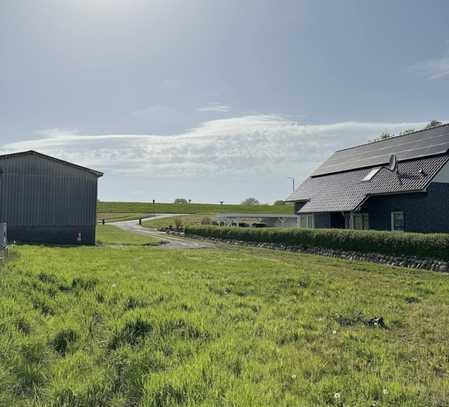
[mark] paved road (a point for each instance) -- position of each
(174, 242)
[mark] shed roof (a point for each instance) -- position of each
(345, 191)
(47, 157)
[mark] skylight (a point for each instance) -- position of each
(371, 174)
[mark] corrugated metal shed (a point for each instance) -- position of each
(44, 199)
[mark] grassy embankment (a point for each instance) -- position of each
(114, 211)
(240, 327)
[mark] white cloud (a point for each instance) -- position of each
(437, 68)
(251, 146)
(215, 107)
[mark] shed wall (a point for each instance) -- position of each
(41, 199)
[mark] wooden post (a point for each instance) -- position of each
(103, 221)
(140, 221)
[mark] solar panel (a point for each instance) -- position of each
(415, 145)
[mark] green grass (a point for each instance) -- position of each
(187, 220)
(147, 207)
(109, 234)
(239, 327)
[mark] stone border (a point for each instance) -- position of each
(408, 262)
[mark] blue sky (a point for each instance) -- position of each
(215, 100)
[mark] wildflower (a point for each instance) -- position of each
(337, 396)
(293, 376)
(114, 285)
(385, 391)
(334, 332)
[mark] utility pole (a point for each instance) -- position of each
(293, 182)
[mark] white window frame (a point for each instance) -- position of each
(309, 219)
(393, 214)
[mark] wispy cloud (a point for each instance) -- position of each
(215, 107)
(258, 145)
(437, 68)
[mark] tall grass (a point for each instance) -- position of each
(136, 326)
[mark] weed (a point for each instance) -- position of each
(133, 333)
(63, 340)
(84, 284)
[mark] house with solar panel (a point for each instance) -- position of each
(398, 184)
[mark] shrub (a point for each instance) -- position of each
(206, 221)
(250, 201)
(434, 246)
(178, 223)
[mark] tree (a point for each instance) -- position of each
(250, 201)
(406, 131)
(180, 201)
(383, 136)
(280, 202)
(433, 123)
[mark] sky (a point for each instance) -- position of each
(215, 100)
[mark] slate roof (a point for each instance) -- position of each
(345, 191)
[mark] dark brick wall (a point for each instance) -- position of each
(424, 212)
(60, 235)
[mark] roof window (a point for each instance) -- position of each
(371, 174)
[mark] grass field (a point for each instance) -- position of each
(193, 208)
(110, 235)
(138, 326)
(171, 221)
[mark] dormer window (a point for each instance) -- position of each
(371, 175)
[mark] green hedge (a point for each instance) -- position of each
(433, 246)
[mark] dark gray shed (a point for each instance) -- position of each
(47, 200)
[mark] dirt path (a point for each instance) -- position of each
(174, 242)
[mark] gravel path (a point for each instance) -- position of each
(174, 242)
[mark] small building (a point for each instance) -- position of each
(398, 184)
(47, 200)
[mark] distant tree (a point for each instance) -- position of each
(180, 201)
(383, 136)
(280, 202)
(250, 201)
(433, 123)
(406, 131)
